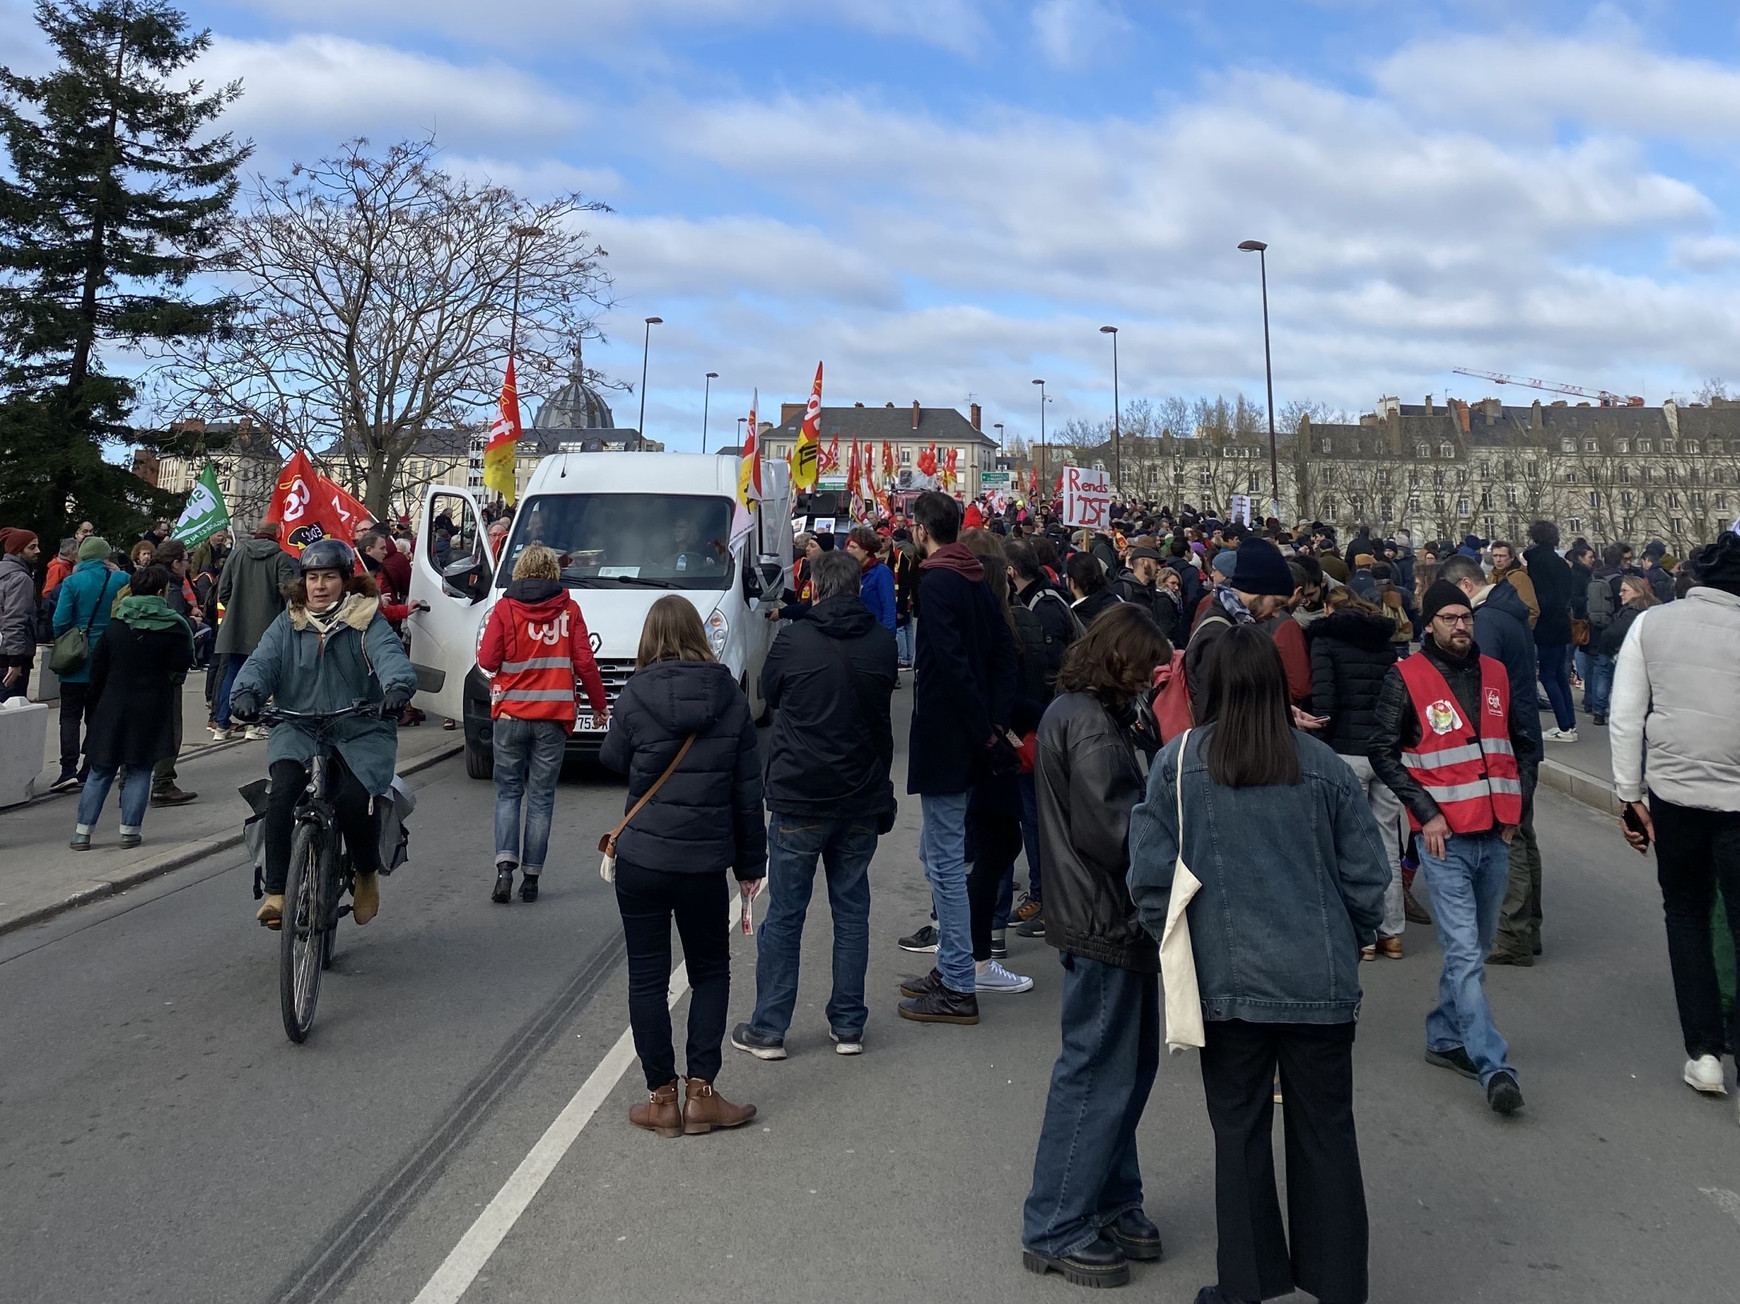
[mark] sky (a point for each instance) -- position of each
(945, 199)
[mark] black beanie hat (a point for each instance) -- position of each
(1443, 594)
(1260, 569)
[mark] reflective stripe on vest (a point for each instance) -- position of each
(534, 683)
(1468, 769)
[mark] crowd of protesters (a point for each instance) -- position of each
(1238, 760)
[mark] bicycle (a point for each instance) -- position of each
(321, 874)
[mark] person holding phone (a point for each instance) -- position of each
(672, 857)
(1676, 684)
(1450, 740)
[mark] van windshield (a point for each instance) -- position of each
(664, 541)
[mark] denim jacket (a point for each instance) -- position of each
(1293, 882)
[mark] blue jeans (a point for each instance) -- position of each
(528, 761)
(1085, 1173)
(1554, 660)
(903, 642)
(232, 667)
(942, 846)
(845, 847)
(135, 796)
(1467, 889)
(1598, 684)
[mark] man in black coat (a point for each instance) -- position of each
(1551, 575)
(963, 689)
(828, 679)
(1501, 629)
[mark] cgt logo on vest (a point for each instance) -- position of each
(1494, 706)
(549, 635)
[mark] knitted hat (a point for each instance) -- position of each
(15, 539)
(1364, 559)
(1260, 569)
(1224, 561)
(94, 548)
(1443, 594)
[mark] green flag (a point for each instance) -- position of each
(205, 513)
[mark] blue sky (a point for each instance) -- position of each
(945, 198)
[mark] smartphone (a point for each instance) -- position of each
(1635, 824)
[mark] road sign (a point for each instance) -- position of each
(994, 479)
(1087, 498)
(831, 482)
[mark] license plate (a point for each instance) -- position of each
(587, 723)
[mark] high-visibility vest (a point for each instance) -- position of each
(536, 680)
(1469, 769)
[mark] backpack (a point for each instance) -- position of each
(1603, 602)
(1030, 653)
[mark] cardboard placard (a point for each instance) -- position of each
(1087, 498)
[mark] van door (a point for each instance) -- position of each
(451, 570)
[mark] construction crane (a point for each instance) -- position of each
(1606, 398)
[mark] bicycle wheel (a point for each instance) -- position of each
(303, 931)
(337, 886)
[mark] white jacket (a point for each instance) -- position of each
(1676, 688)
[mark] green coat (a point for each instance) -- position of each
(251, 590)
(362, 658)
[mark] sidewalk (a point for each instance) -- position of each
(40, 876)
(1582, 770)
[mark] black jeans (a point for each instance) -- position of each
(351, 802)
(1325, 1192)
(648, 900)
(76, 707)
(993, 842)
(1694, 850)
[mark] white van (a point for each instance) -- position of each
(629, 528)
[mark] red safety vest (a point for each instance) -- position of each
(1468, 769)
(536, 679)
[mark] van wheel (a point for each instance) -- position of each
(479, 764)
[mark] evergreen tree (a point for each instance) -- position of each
(113, 203)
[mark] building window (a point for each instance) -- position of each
(1486, 500)
(1571, 477)
(1384, 479)
(906, 457)
(1510, 497)
(1437, 479)
(1576, 524)
(1413, 502)
(1697, 502)
(1491, 525)
(1643, 445)
(1625, 475)
(1649, 475)
(1594, 500)
(1484, 469)
(1691, 446)
(1462, 507)
(1721, 502)
(1673, 500)
(1715, 446)
(1205, 478)
(1329, 507)
(1567, 445)
(1531, 468)
(1675, 525)
(1625, 499)
(1423, 450)
(1446, 450)
(1591, 446)
(1178, 479)
(1326, 445)
(1669, 445)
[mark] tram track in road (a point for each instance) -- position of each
(323, 1275)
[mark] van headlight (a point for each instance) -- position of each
(717, 629)
(477, 651)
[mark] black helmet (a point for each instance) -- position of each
(328, 554)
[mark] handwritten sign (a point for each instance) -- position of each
(1087, 498)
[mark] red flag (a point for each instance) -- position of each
(504, 437)
(309, 507)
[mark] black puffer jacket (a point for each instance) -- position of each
(1351, 653)
(1087, 780)
(708, 815)
(828, 680)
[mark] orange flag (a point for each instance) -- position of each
(504, 436)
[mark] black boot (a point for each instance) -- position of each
(504, 884)
(1098, 1263)
(528, 887)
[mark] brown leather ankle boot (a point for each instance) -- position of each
(661, 1113)
(705, 1109)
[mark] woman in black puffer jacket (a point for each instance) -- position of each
(1351, 653)
(673, 855)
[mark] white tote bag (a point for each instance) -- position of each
(1177, 960)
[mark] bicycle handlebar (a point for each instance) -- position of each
(277, 715)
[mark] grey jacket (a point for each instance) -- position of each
(1293, 882)
(1676, 689)
(251, 590)
(17, 610)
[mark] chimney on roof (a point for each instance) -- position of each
(915, 414)
(888, 405)
(974, 409)
(789, 410)
(1535, 419)
(857, 405)
(1430, 411)
(1461, 409)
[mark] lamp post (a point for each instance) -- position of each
(741, 422)
(999, 429)
(1044, 478)
(474, 467)
(645, 347)
(706, 399)
(1117, 414)
(1259, 249)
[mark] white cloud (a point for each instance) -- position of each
(1706, 253)
(1074, 34)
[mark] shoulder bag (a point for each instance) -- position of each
(1177, 959)
(73, 649)
(607, 843)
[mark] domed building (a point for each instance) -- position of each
(576, 406)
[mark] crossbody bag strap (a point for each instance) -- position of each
(607, 844)
(1182, 744)
(102, 593)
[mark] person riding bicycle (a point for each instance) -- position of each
(330, 649)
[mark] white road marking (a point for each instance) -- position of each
(460, 1268)
(1725, 1200)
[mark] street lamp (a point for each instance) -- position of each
(1258, 248)
(1117, 412)
(999, 429)
(645, 346)
(1044, 479)
(706, 398)
(741, 422)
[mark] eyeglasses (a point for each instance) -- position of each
(1454, 621)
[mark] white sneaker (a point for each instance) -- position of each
(259, 734)
(1560, 735)
(221, 735)
(995, 978)
(845, 1045)
(1705, 1074)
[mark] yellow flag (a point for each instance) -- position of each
(803, 467)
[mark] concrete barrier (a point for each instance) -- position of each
(23, 733)
(44, 683)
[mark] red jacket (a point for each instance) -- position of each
(535, 646)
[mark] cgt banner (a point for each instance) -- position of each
(1087, 498)
(309, 507)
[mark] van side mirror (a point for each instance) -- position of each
(464, 578)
